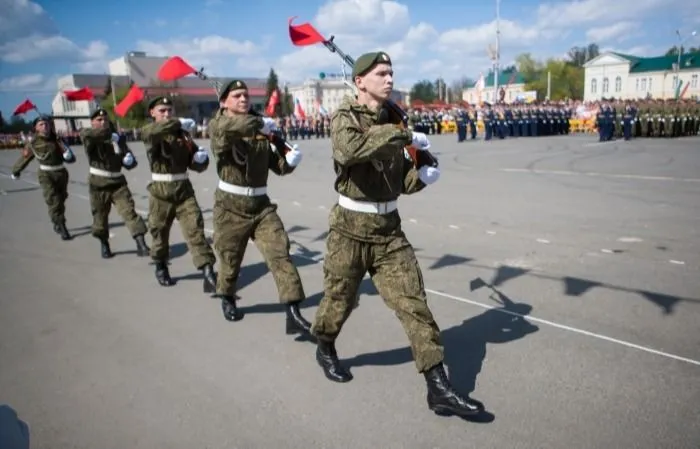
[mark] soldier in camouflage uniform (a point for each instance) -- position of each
(171, 152)
(47, 148)
(107, 153)
(365, 232)
(242, 209)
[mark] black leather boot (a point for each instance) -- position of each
(209, 285)
(61, 230)
(142, 250)
(296, 323)
(445, 400)
(163, 274)
(105, 249)
(230, 309)
(327, 358)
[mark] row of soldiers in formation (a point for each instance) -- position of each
(365, 227)
(647, 118)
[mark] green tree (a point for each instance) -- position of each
(578, 56)
(566, 80)
(673, 51)
(16, 125)
(287, 103)
(424, 91)
(135, 118)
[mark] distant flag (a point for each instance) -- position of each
(134, 96)
(272, 103)
(79, 95)
(298, 110)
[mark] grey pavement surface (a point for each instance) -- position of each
(563, 273)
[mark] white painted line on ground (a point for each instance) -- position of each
(413, 220)
(542, 241)
(296, 203)
(497, 309)
(491, 232)
(597, 174)
(677, 262)
(454, 227)
(566, 328)
(597, 144)
(607, 251)
(629, 239)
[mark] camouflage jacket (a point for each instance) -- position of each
(169, 150)
(100, 153)
(371, 165)
(242, 157)
(45, 149)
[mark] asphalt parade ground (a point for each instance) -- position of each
(563, 272)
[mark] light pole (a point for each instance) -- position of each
(681, 41)
(498, 50)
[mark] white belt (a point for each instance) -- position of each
(105, 173)
(51, 167)
(367, 207)
(240, 190)
(169, 177)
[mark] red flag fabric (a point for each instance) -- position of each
(175, 68)
(24, 107)
(304, 34)
(134, 95)
(79, 95)
(272, 103)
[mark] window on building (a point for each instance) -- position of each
(694, 81)
(606, 85)
(594, 85)
(644, 84)
(618, 84)
(636, 85)
(675, 81)
(649, 84)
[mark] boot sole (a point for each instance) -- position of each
(446, 411)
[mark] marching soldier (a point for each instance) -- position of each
(365, 232)
(107, 153)
(171, 152)
(242, 209)
(47, 148)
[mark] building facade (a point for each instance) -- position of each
(328, 91)
(620, 76)
(198, 95)
(511, 83)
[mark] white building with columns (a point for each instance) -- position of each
(329, 90)
(620, 76)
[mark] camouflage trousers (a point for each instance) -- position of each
(396, 275)
(54, 186)
(162, 214)
(101, 200)
(233, 228)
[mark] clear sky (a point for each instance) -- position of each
(41, 40)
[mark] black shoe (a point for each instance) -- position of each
(163, 274)
(105, 249)
(61, 230)
(445, 400)
(296, 323)
(230, 309)
(327, 358)
(142, 250)
(209, 285)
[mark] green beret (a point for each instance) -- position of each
(41, 118)
(98, 113)
(232, 85)
(365, 62)
(158, 101)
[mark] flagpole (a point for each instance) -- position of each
(114, 102)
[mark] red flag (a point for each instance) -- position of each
(304, 34)
(24, 107)
(79, 95)
(298, 110)
(134, 95)
(175, 68)
(272, 103)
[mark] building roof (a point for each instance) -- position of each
(504, 77)
(661, 63)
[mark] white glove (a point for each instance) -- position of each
(420, 141)
(68, 154)
(200, 156)
(115, 137)
(428, 174)
(188, 124)
(293, 157)
(269, 125)
(128, 160)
